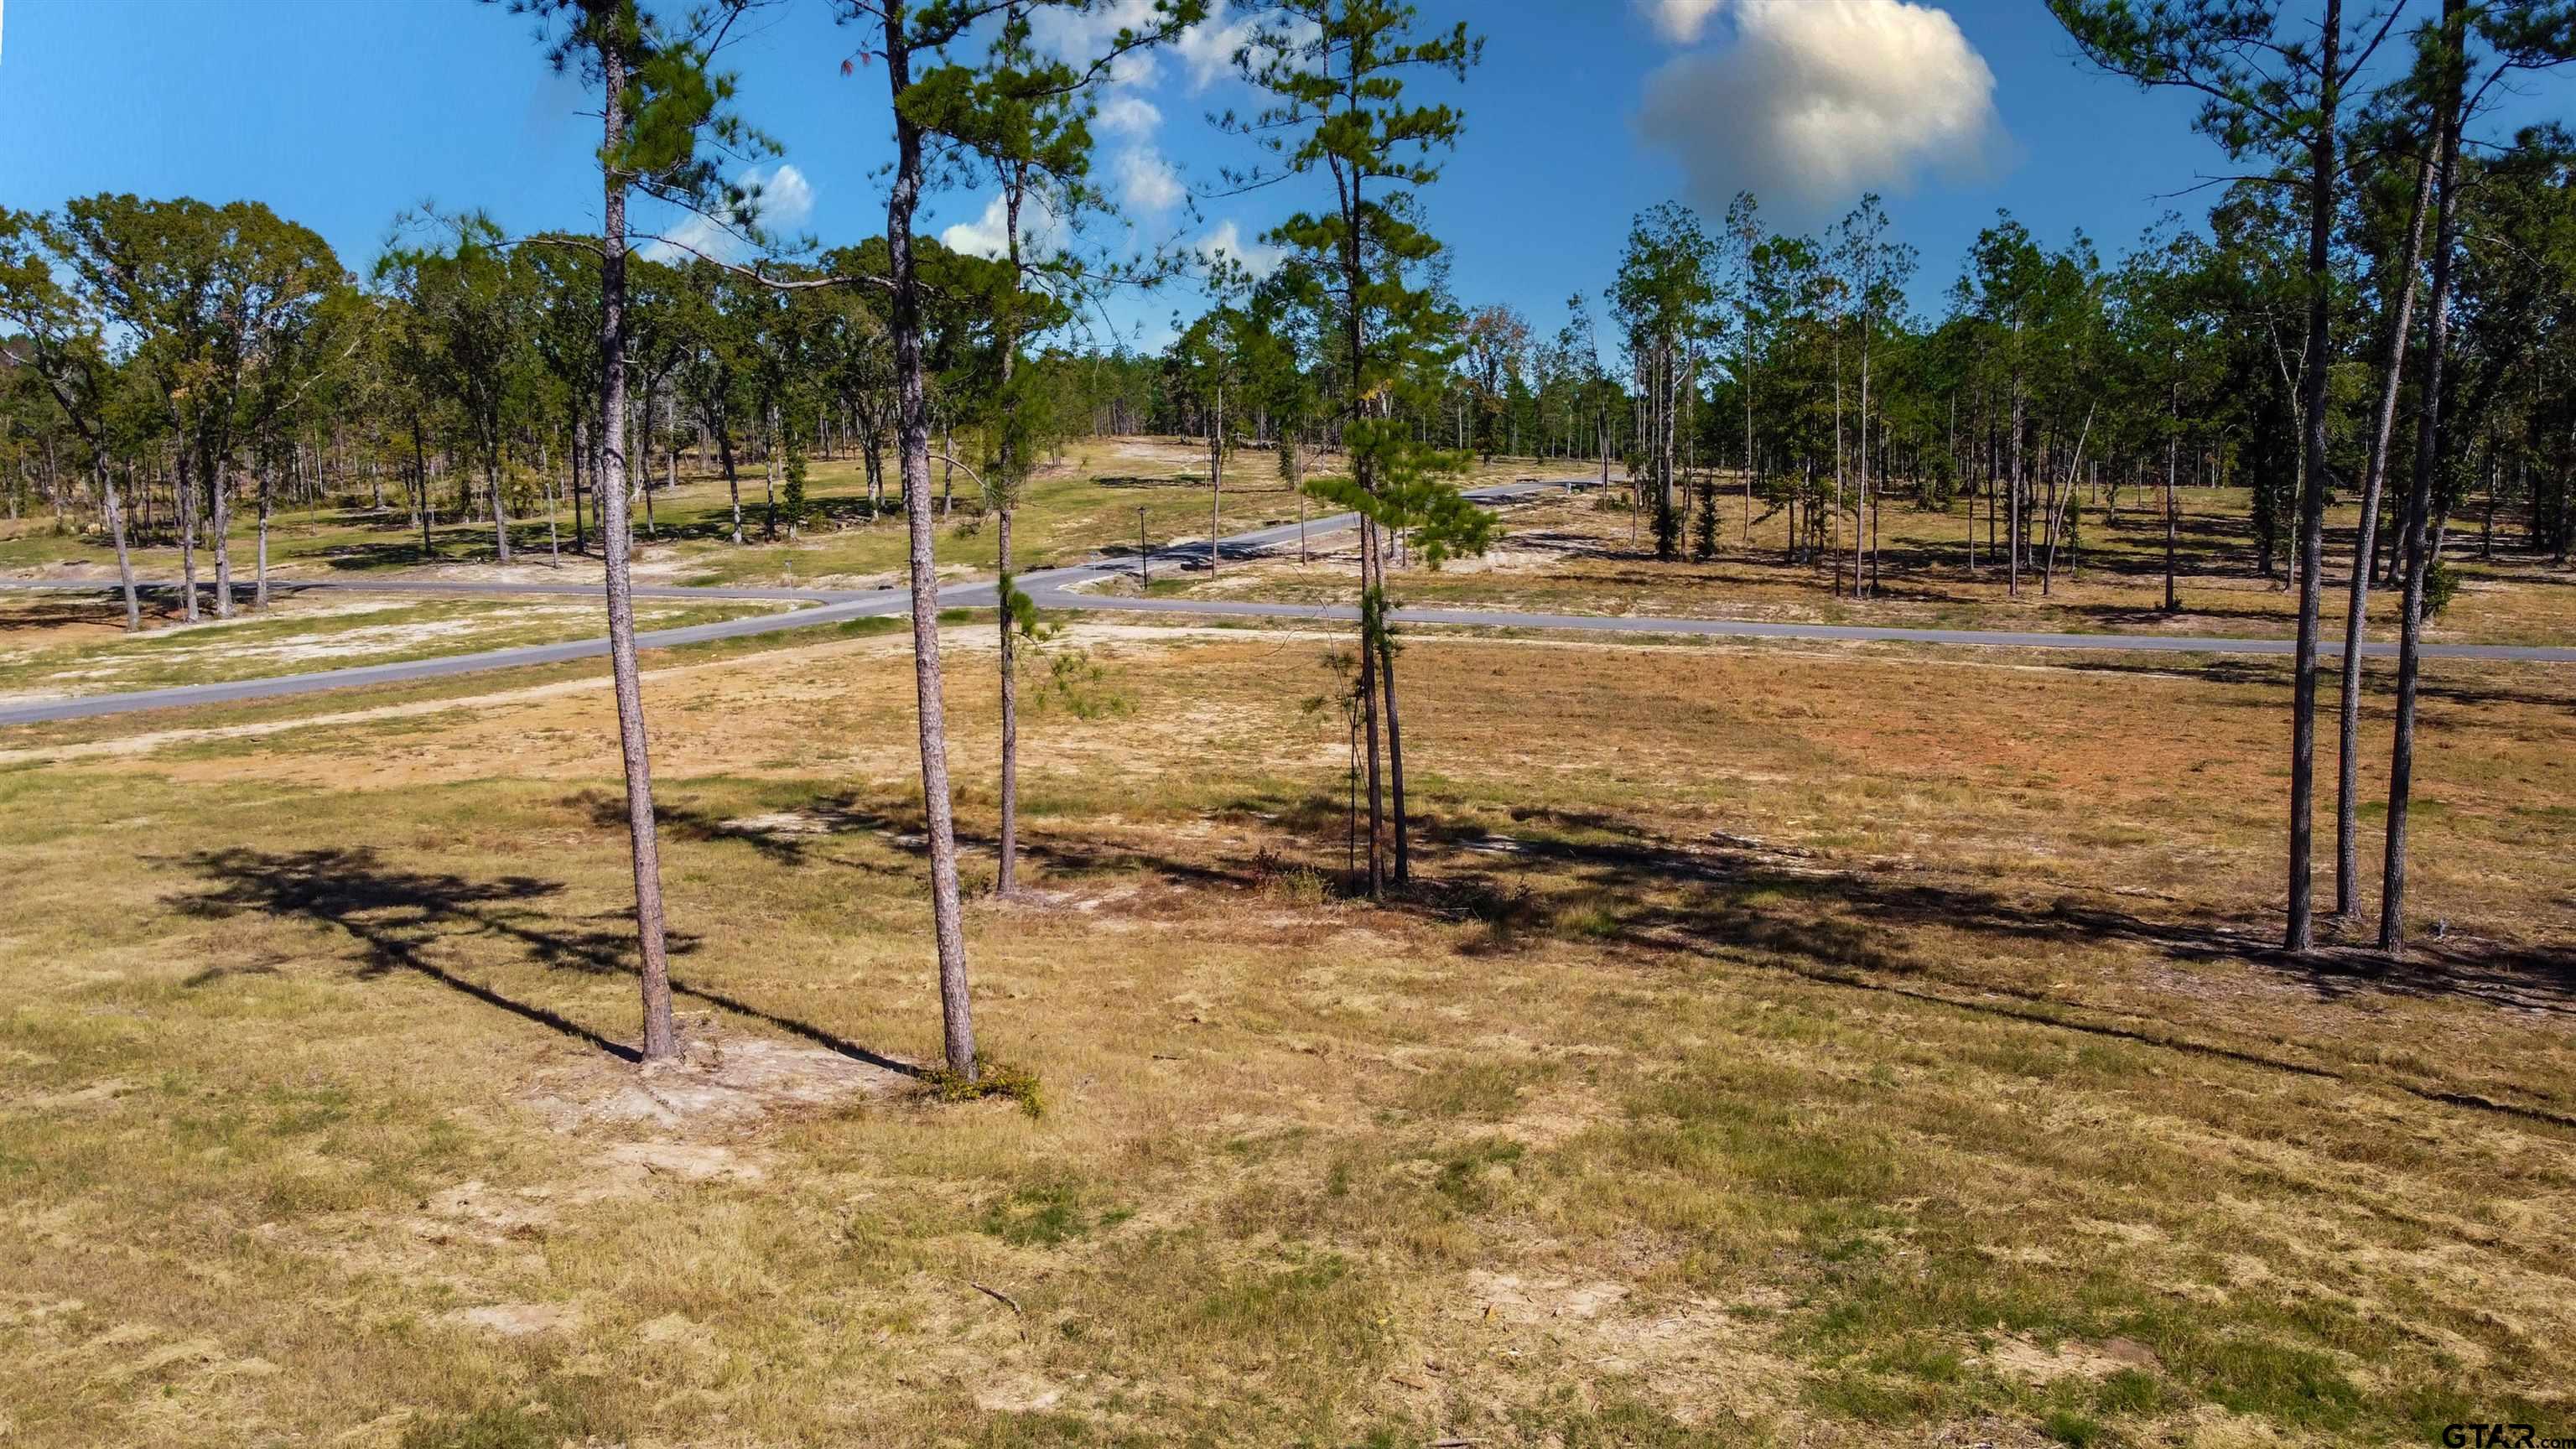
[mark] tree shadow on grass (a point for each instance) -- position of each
(787, 838)
(1600, 877)
(1732, 892)
(400, 918)
(2466, 687)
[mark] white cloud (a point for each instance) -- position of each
(1126, 115)
(695, 236)
(1679, 21)
(1225, 239)
(1208, 47)
(988, 235)
(785, 202)
(1206, 50)
(1816, 101)
(1079, 34)
(786, 199)
(1146, 182)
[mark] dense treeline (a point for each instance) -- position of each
(450, 379)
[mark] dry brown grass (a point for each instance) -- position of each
(1579, 556)
(58, 645)
(1786, 1045)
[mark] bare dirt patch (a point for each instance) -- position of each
(721, 1079)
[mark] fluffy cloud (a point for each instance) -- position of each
(1128, 115)
(1816, 101)
(1205, 50)
(785, 202)
(989, 235)
(1679, 21)
(1146, 182)
(786, 199)
(1208, 47)
(1225, 239)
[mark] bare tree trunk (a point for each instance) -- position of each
(1748, 421)
(733, 483)
(1005, 880)
(221, 525)
(581, 461)
(115, 511)
(1006, 498)
(913, 445)
(260, 589)
(2062, 496)
(1395, 756)
(2300, 934)
(185, 486)
(1370, 574)
(1860, 496)
(420, 477)
(769, 478)
(1216, 479)
(617, 546)
(2365, 551)
(2013, 483)
(492, 484)
(2173, 522)
(2420, 505)
(1838, 476)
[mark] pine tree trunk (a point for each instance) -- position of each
(1005, 876)
(733, 483)
(1216, 480)
(2365, 552)
(581, 461)
(260, 589)
(1006, 496)
(769, 479)
(913, 450)
(492, 485)
(420, 476)
(116, 531)
(1860, 497)
(1370, 594)
(2013, 484)
(2300, 933)
(2173, 520)
(2421, 502)
(222, 527)
(617, 547)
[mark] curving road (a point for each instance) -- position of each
(1061, 589)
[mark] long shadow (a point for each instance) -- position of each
(1656, 896)
(831, 816)
(1611, 855)
(2378, 679)
(103, 608)
(396, 553)
(789, 839)
(398, 917)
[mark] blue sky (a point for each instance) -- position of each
(341, 114)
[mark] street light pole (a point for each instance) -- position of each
(1144, 560)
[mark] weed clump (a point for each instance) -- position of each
(991, 1079)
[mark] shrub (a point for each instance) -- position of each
(2441, 586)
(991, 1079)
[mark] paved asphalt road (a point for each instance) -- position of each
(1060, 589)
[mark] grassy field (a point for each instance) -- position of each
(56, 645)
(1083, 501)
(1786, 1046)
(1587, 555)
